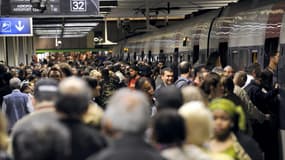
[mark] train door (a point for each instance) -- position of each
(135, 56)
(189, 57)
(149, 56)
(270, 45)
(176, 55)
(281, 67)
(223, 51)
(239, 58)
(171, 59)
(195, 57)
(281, 81)
(142, 55)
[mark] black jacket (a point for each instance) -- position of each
(250, 146)
(266, 102)
(85, 140)
(129, 147)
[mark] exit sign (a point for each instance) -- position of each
(78, 6)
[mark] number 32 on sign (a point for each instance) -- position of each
(78, 6)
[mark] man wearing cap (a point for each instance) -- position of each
(45, 94)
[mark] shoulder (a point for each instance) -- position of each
(106, 154)
(196, 153)
(250, 146)
(4, 156)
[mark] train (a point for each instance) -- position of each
(242, 33)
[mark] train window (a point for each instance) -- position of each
(254, 56)
(240, 58)
(196, 49)
(235, 58)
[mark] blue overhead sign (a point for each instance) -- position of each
(16, 27)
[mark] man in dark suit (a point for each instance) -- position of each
(72, 102)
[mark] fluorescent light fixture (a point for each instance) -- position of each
(47, 25)
(64, 36)
(80, 24)
(108, 7)
(78, 29)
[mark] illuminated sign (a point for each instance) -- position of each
(61, 8)
(16, 27)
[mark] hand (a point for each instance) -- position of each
(276, 86)
(267, 117)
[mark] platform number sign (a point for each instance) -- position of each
(78, 5)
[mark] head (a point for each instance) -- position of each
(167, 75)
(55, 73)
(168, 128)
(200, 72)
(28, 72)
(229, 71)
(133, 71)
(198, 121)
(128, 111)
(254, 70)
(185, 68)
(74, 96)
(145, 70)
(15, 83)
(274, 57)
(227, 85)
(266, 78)
(192, 93)
(41, 140)
(212, 86)
(94, 85)
(240, 78)
(227, 117)
(144, 84)
(27, 87)
(169, 97)
(74, 71)
(65, 69)
(46, 90)
(96, 74)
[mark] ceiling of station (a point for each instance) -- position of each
(122, 9)
(176, 9)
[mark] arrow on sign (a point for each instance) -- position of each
(19, 27)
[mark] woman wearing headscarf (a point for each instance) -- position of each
(229, 120)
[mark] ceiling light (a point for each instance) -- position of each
(80, 24)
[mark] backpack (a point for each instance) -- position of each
(183, 81)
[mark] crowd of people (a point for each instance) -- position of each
(106, 110)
